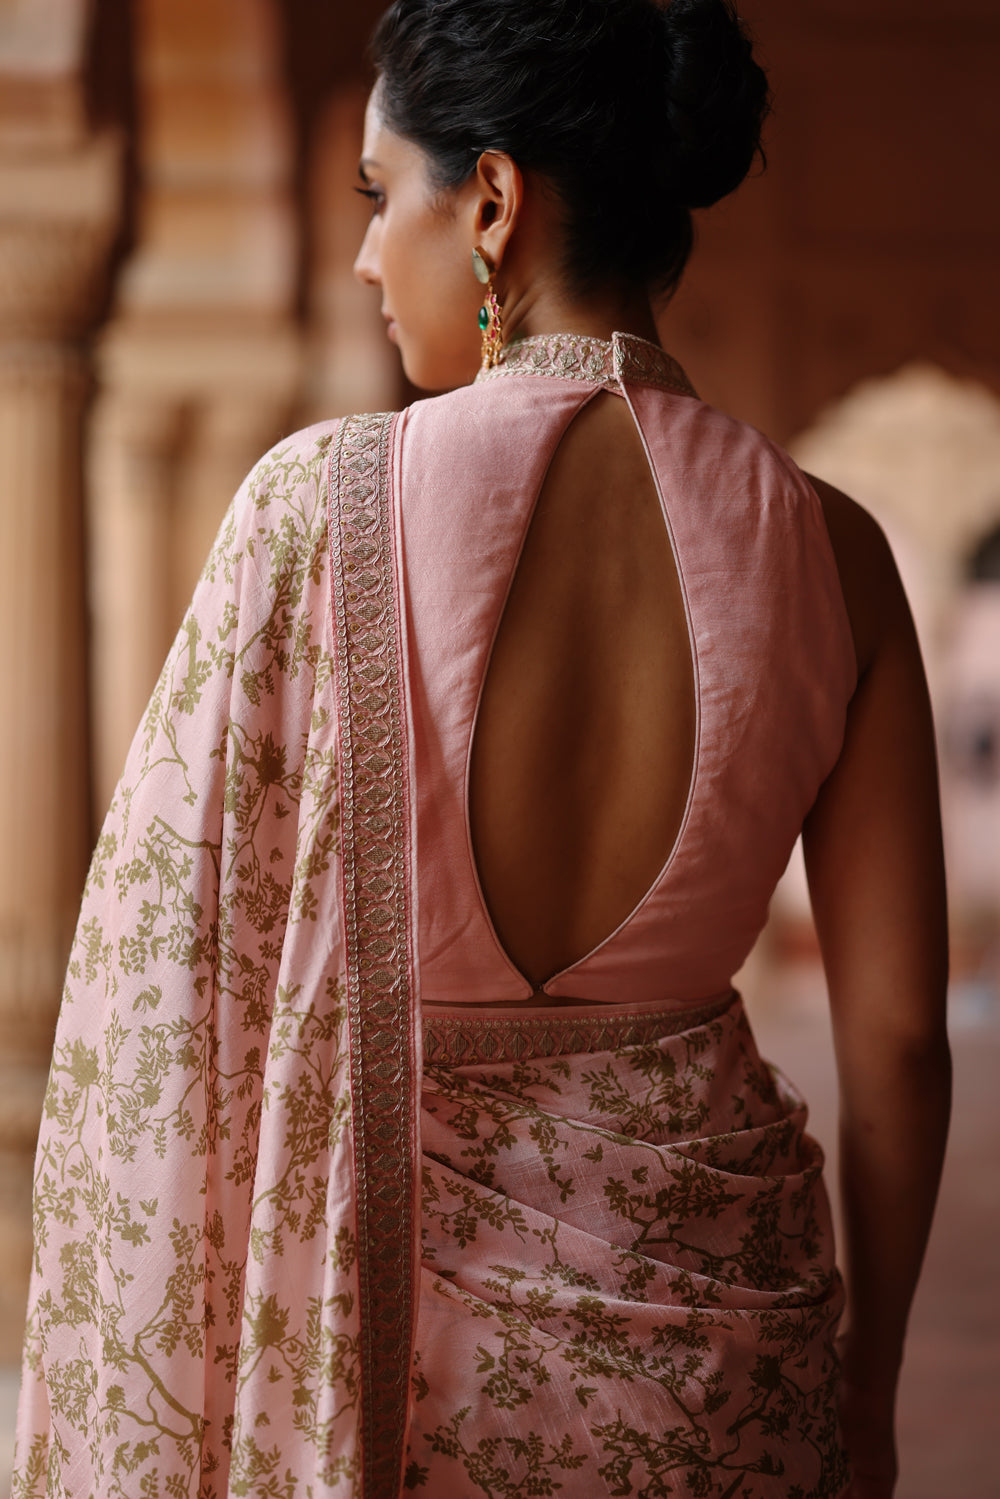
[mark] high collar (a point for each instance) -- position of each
(622, 360)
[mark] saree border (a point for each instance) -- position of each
(375, 842)
(474, 1040)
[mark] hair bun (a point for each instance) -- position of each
(716, 99)
(635, 111)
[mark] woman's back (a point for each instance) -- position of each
(583, 746)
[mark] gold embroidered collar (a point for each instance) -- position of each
(626, 359)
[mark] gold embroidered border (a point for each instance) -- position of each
(374, 830)
(574, 356)
(638, 362)
(457, 1040)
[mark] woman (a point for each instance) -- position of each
(458, 804)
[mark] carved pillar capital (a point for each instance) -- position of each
(58, 217)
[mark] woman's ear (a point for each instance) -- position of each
(499, 197)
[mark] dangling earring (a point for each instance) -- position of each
(490, 316)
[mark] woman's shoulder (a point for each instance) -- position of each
(286, 489)
(866, 568)
(869, 579)
(295, 462)
(276, 525)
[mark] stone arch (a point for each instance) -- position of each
(921, 450)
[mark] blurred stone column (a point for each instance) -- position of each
(135, 441)
(58, 215)
(200, 364)
(352, 365)
(162, 472)
(226, 440)
(181, 418)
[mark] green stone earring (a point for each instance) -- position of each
(490, 317)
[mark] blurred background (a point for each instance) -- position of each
(176, 238)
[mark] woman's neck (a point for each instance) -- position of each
(606, 311)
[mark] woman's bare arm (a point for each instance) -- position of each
(876, 875)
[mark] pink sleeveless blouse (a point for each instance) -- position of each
(774, 664)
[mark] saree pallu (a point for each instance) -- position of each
(627, 1279)
(225, 1184)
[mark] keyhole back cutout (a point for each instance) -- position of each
(583, 748)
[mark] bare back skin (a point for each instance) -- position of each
(583, 751)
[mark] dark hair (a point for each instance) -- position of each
(983, 565)
(636, 112)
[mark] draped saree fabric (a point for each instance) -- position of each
(296, 1238)
(224, 1189)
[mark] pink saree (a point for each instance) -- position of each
(294, 1238)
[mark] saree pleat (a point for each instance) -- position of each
(628, 1282)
